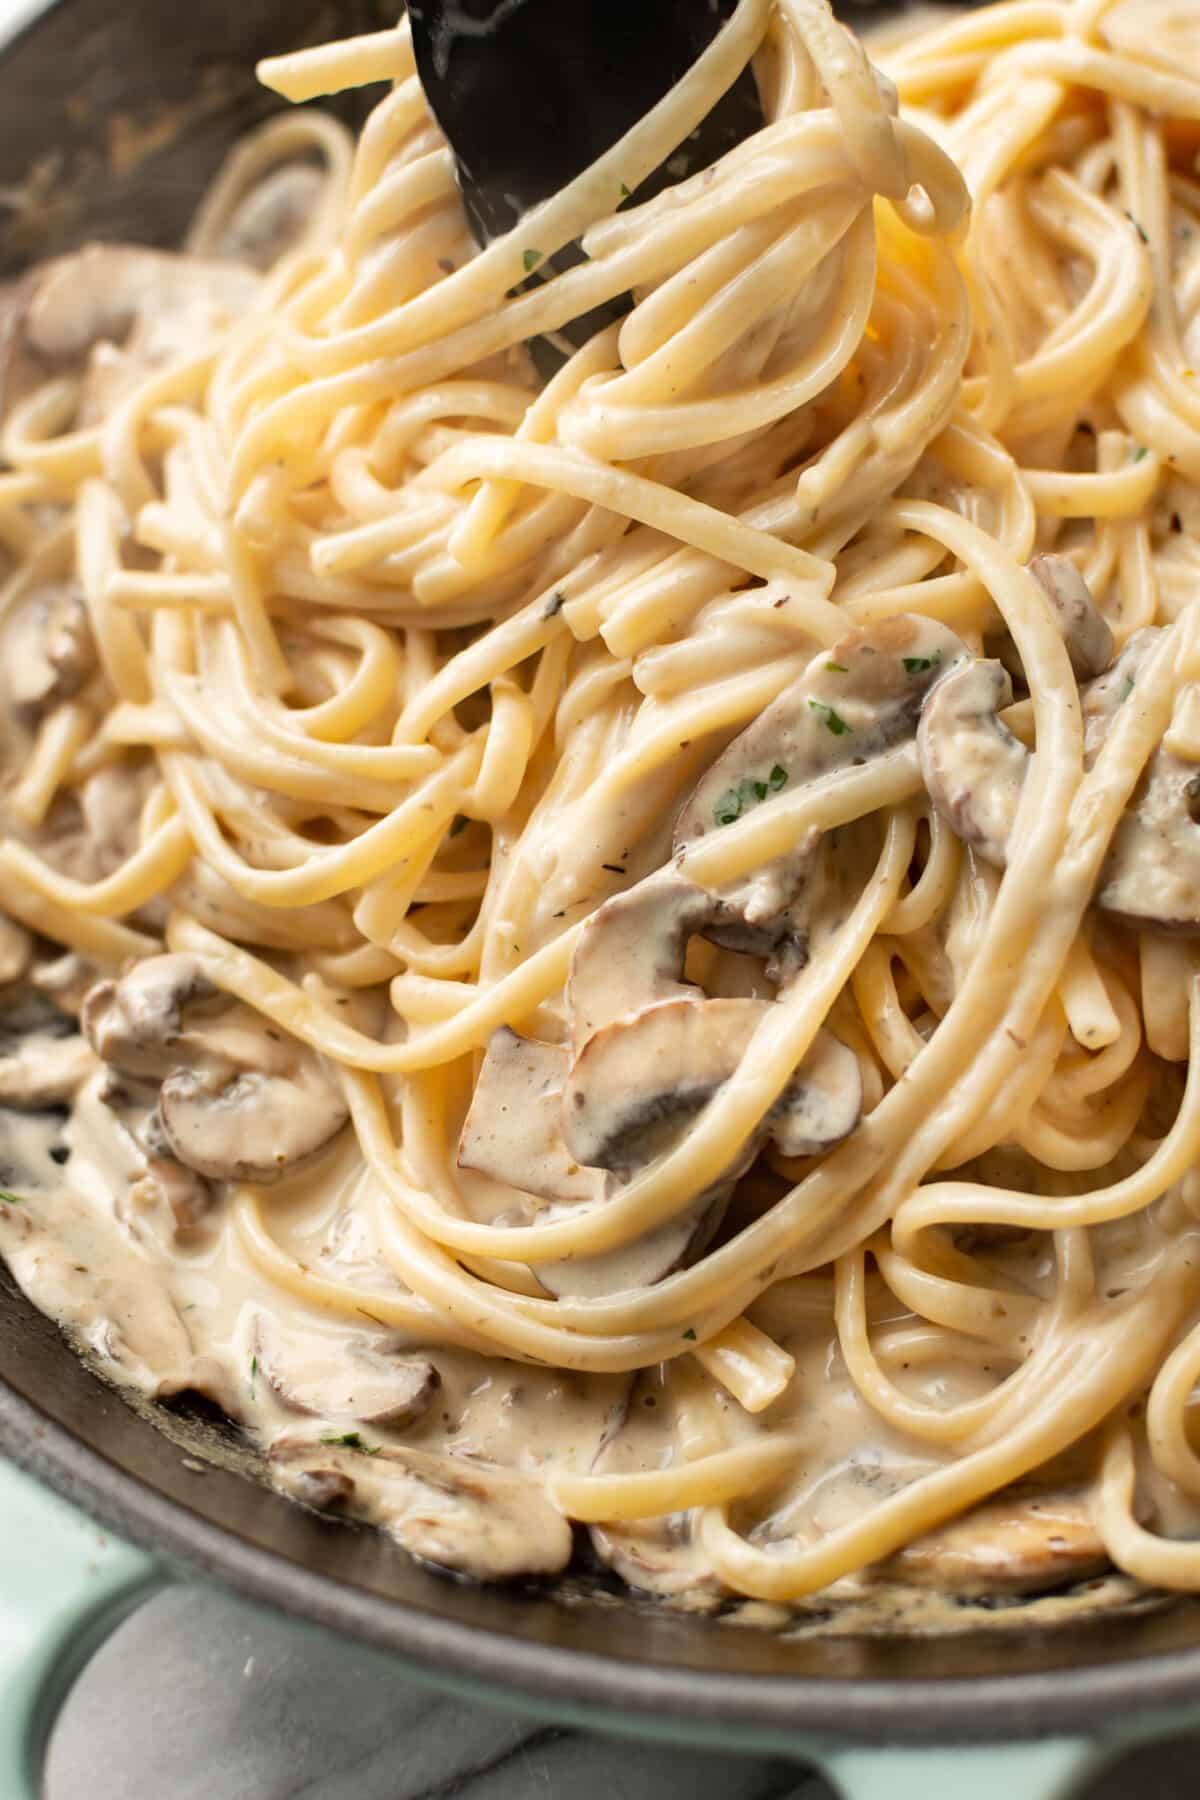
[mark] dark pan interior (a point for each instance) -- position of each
(116, 113)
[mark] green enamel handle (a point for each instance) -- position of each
(65, 1585)
(1044, 1769)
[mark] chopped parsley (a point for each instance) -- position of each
(459, 824)
(1128, 688)
(554, 605)
(920, 665)
(1140, 452)
(352, 1441)
(626, 193)
(531, 259)
(837, 668)
(253, 1374)
(833, 720)
(8, 1199)
(690, 1336)
(1140, 229)
(733, 803)
(740, 799)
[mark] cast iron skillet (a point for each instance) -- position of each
(85, 95)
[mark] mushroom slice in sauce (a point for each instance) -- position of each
(659, 1556)
(972, 765)
(514, 1134)
(974, 770)
(136, 1023)
(186, 1195)
(251, 1124)
(114, 1120)
(645, 1261)
(642, 1077)
(1085, 631)
(156, 305)
(45, 1070)
(471, 1518)
(49, 651)
(853, 702)
(329, 1379)
(238, 1100)
(1018, 1544)
(99, 1279)
(632, 950)
(513, 1131)
(1151, 875)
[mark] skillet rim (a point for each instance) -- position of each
(631, 1697)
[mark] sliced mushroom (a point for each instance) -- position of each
(1085, 631)
(16, 951)
(852, 703)
(330, 1379)
(637, 1081)
(632, 950)
(972, 765)
(1151, 875)
(513, 1131)
(250, 1125)
(1103, 698)
(156, 305)
(49, 651)
(140, 1169)
(238, 1100)
(473, 1519)
(135, 1024)
(45, 1071)
(659, 1556)
(974, 770)
(186, 1196)
(651, 1051)
(645, 1261)
(1020, 1544)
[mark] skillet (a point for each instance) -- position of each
(116, 114)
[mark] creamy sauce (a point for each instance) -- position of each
(456, 1478)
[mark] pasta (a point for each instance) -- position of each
(635, 932)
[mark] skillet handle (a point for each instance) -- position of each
(65, 1585)
(1042, 1769)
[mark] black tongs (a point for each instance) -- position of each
(530, 92)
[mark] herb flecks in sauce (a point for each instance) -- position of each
(735, 802)
(832, 719)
